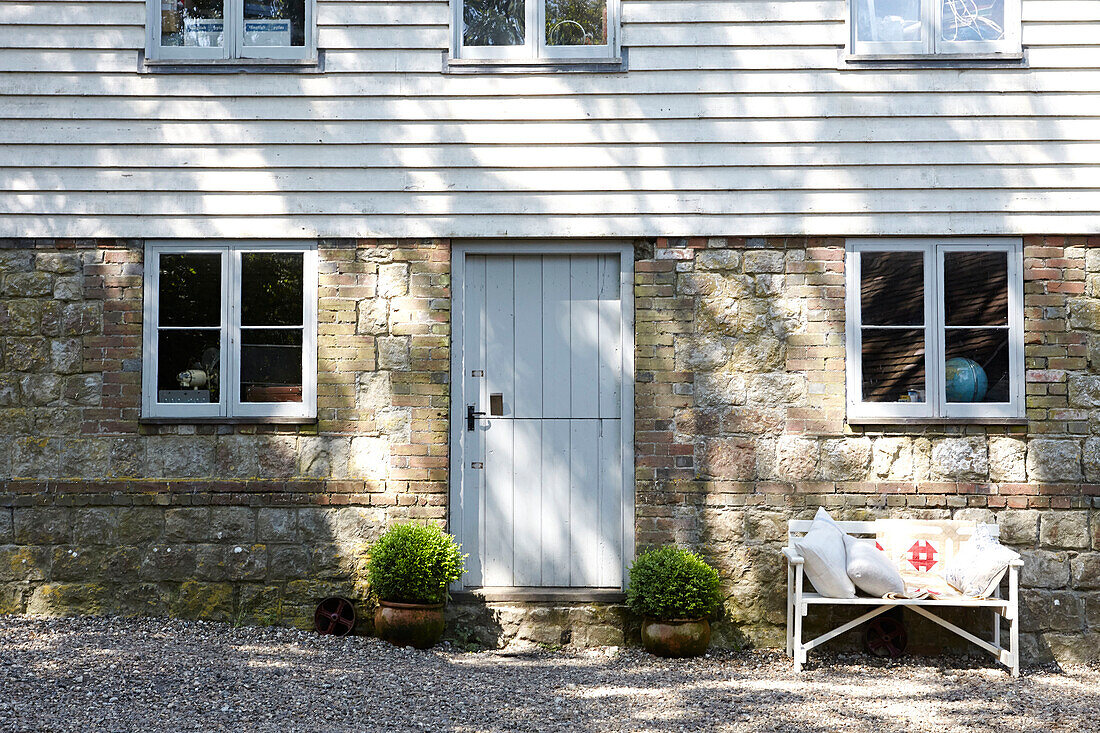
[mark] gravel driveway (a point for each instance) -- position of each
(141, 675)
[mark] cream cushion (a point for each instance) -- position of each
(825, 559)
(871, 569)
(977, 567)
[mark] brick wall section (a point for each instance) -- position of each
(100, 513)
(740, 410)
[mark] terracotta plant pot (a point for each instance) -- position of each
(676, 637)
(417, 625)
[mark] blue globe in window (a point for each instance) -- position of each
(966, 380)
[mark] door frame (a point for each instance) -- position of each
(459, 251)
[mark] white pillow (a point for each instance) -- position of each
(871, 569)
(823, 549)
(977, 567)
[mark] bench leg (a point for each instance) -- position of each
(1014, 624)
(799, 651)
(790, 610)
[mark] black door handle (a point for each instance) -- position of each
(471, 417)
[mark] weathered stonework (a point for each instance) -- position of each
(740, 426)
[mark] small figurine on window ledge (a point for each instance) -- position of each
(192, 379)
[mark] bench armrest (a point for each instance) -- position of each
(793, 557)
(1017, 563)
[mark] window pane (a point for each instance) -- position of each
(198, 23)
(493, 22)
(576, 22)
(274, 22)
(975, 288)
(892, 288)
(190, 289)
(973, 20)
(893, 365)
(271, 288)
(188, 365)
(271, 365)
(977, 365)
(887, 21)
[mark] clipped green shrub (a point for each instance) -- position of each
(414, 563)
(672, 583)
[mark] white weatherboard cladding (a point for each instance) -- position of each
(733, 118)
(540, 489)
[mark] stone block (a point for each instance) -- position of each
(235, 524)
(1007, 459)
(187, 524)
(126, 457)
(763, 260)
(50, 324)
(85, 458)
(208, 601)
(261, 604)
(1051, 459)
(1044, 569)
(1084, 390)
(323, 456)
(845, 459)
(278, 456)
(395, 423)
(1019, 526)
(96, 563)
(245, 562)
(288, 563)
(24, 563)
(760, 354)
(719, 389)
(372, 317)
(42, 525)
(80, 319)
(726, 458)
(21, 317)
(1085, 570)
(369, 458)
(701, 353)
(11, 598)
(16, 260)
(63, 421)
(70, 599)
(40, 389)
(375, 392)
(28, 284)
(1091, 456)
(237, 456)
(7, 530)
(83, 389)
(276, 525)
(766, 526)
(141, 599)
(26, 354)
(140, 525)
(180, 456)
(58, 263)
(66, 355)
(35, 457)
(718, 259)
(892, 459)
(357, 525)
(796, 459)
(316, 525)
(329, 562)
(393, 280)
(393, 352)
(95, 526)
(1076, 648)
(162, 563)
(68, 288)
(960, 459)
(1051, 611)
(776, 389)
(1092, 610)
(9, 396)
(1064, 529)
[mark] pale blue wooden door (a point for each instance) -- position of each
(544, 476)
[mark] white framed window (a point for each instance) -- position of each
(935, 329)
(535, 29)
(934, 27)
(230, 330)
(193, 30)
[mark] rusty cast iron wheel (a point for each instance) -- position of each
(676, 637)
(886, 637)
(335, 616)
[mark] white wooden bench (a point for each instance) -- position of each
(799, 602)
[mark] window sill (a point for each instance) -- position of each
(273, 420)
(534, 66)
(232, 66)
(505, 594)
(871, 421)
(932, 61)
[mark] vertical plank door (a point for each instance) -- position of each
(543, 480)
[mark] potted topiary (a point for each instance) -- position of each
(674, 591)
(410, 567)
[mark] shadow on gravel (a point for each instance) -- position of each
(153, 675)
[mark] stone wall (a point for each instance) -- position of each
(100, 512)
(740, 422)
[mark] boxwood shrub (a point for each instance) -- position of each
(672, 583)
(414, 563)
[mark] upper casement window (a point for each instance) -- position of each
(934, 27)
(935, 329)
(560, 30)
(213, 30)
(230, 330)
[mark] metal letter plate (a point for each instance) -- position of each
(496, 404)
